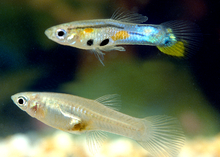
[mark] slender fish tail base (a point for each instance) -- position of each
(163, 136)
(184, 38)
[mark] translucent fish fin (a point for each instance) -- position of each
(184, 38)
(113, 47)
(128, 16)
(94, 140)
(163, 136)
(99, 55)
(111, 100)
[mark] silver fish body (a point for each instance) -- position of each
(160, 135)
(77, 34)
(174, 38)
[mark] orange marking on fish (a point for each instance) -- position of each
(120, 35)
(88, 30)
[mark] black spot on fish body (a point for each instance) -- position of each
(104, 42)
(167, 42)
(90, 42)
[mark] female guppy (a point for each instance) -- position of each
(174, 38)
(162, 136)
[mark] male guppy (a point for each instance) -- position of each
(162, 136)
(175, 38)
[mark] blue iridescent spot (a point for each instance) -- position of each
(134, 33)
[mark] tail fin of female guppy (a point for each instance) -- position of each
(183, 38)
(163, 136)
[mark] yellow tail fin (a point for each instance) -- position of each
(177, 50)
(183, 38)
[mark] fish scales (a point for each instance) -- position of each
(102, 118)
(137, 34)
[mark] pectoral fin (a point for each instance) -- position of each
(99, 54)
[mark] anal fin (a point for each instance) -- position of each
(113, 47)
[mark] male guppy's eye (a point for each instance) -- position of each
(22, 101)
(60, 33)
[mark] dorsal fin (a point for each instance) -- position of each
(128, 16)
(111, 100)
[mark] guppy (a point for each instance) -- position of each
(175, 38)
(162, 135)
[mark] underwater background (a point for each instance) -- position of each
(149, 82)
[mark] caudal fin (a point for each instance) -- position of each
(183, 38)
(163, 136)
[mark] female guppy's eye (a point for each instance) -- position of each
(21, 101)
(60, 33)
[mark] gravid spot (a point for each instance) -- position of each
(104, 42)
(79, 127)
(90, 42)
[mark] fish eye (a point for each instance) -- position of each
(60, 33)
(22, 101)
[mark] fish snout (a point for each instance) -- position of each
(48, 32)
